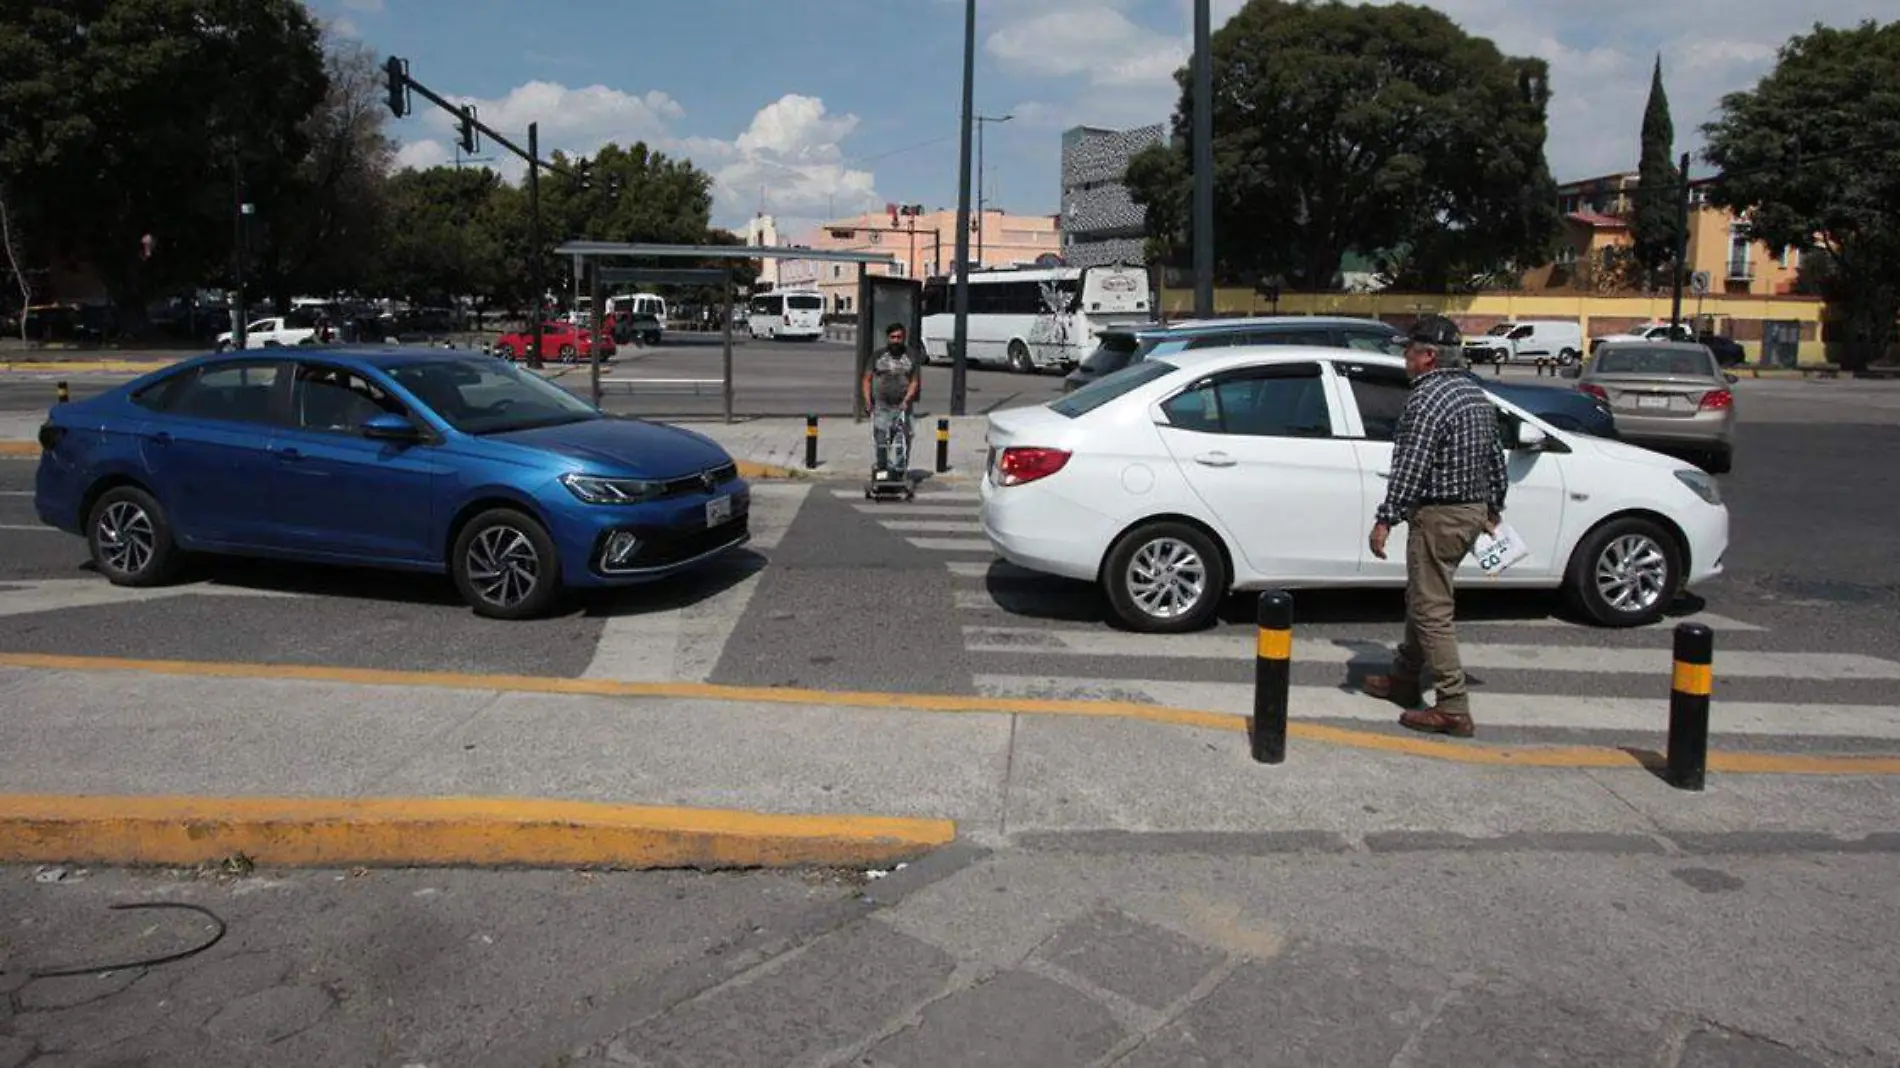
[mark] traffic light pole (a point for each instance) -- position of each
(534, 241)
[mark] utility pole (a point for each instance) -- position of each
(1203, 162)
(960, 335)
(534, 238)
(1682, 243)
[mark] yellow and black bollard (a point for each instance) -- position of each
(1689, 688)
(1272, 674)
(811, 442)
(943, 445)
(63, 393)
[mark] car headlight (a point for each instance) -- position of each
(595, 489)
(1701, 485)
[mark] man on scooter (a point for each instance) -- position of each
(891, 386)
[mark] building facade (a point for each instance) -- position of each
(924, 245)
(1101, 223)
(762, 230)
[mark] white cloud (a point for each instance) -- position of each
(343, 26)
(574, 121)
(422, 155)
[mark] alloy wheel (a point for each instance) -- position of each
(1166, 578)
(1632, 573)
(503, 566)
(127, 538)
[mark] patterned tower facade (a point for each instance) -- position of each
(1101, 224)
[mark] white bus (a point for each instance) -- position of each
(798, 314)
(638, 304)
(1035, 318)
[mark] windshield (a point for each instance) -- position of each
(1112, 354)
(490, 396)
(805, 303)
(1639, 361)
(1109, 387)
(1499, 330)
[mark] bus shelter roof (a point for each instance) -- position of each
(721, 252)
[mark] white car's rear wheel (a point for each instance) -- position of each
(1165, 577)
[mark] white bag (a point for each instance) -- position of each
(1495, 552)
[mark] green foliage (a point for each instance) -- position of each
(1653, 228)
(1834, 94)
(1344, 127)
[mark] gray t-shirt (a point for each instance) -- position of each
(890, 378)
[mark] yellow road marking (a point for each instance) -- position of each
(321, 832)
(1463, 752)
(19, 448)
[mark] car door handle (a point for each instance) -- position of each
(160, 438)
(1215, 459)
(288, 454)
(1387, 475)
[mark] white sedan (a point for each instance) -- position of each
(1177, 480)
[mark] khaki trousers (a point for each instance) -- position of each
(1438, 537)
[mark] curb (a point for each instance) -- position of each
(43, 367)
(443, 832)
(1454, 752)
(27, 449)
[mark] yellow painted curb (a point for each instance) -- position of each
(89, 366)
(751, 469)
(19, 448)
(427, 832)
(1460, 752)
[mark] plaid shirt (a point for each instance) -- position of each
(1446, 449)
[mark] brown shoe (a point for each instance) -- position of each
(1391, 688)
(1435, 721)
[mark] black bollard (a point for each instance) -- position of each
(1689, 688)
(63, 393)
(1497, 368)
(1272, 673)
(811, 442)
(943, 445)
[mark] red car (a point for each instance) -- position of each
(559, 341)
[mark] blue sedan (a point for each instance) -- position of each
(419, 460)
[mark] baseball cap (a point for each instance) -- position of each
(1435, 330)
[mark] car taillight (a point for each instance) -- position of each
(1595, 391)
(1020, 464)
(1717, 400)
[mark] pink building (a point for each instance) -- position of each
(924, 245)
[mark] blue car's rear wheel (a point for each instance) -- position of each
(130, 539)
(506, 566)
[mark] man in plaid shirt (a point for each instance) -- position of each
(1448, 485)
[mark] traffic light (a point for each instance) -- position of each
(613, 185)
(584, 174)
(467, 125)
(398, 86)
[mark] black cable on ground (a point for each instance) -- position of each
(63, 973)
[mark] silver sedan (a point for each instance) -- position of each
(1667, 394)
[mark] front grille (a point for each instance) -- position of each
(663, 548)
(698, 483)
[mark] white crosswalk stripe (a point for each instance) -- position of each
(936, 521)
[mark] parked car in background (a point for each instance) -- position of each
(1666, 394)
(1562, 407)
(413, 459)
(274, 332)
(1173, 481)
(559, 341)
(1727, 353)
(1646, 332)
(1527, 341)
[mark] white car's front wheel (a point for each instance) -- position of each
(1626, 573)
(1165, 577)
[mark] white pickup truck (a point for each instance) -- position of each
(271, 333)
(1648, 332)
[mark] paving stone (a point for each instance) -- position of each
(73, 991)
(1315, 1005)
(1507, 1028)
(14, 1051)
(1715, 1049)
(1146, 964)
(842, 989)
(1016, 1018)
(270, 1015)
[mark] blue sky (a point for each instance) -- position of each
(818, 108)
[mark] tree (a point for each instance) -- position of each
(1653, 228)
(1810, 157)
(1342, 127)
(444, 243)
(122, 118)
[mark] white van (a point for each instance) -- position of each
(1527, 341)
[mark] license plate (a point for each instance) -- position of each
(1652, 402)
(718, 510)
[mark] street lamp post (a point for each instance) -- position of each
(980, 120)
(1203, 162)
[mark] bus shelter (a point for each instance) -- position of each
(599, 261)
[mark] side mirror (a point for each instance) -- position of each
(1573, 371)
(390, 427)
(1732, 379)
(1531, 438)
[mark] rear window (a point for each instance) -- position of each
(1112, 354)
(1639, 361)
(807, 303)
(1109, 387)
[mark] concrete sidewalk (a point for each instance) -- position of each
(1004, 772)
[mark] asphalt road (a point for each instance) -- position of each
(840, 594)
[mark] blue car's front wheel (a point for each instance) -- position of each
(506, 566)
